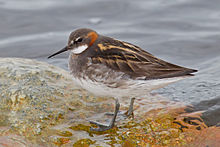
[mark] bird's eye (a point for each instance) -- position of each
(78, 40)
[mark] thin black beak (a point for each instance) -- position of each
(62, 50)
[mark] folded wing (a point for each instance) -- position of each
(132, 60)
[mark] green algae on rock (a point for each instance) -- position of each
(40, 102)
(33, 95)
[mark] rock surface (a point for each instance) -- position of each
(40, 106)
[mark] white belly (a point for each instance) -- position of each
(133, 88)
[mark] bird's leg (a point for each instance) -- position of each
(130, 109)
(127, 113)
(103, 127)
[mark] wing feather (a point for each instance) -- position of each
(132, 60)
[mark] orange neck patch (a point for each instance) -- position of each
(93, 36)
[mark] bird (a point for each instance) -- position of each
(109, 67)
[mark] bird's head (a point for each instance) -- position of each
(79, 41)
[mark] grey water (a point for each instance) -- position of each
(183, 32)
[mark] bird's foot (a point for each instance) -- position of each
(103, 127)
(100, 127)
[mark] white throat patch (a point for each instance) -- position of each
(79, 49)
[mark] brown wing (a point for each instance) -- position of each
(134, 61)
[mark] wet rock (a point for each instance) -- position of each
(41, 103)
(35, 96)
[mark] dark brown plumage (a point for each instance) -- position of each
(134, 61)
